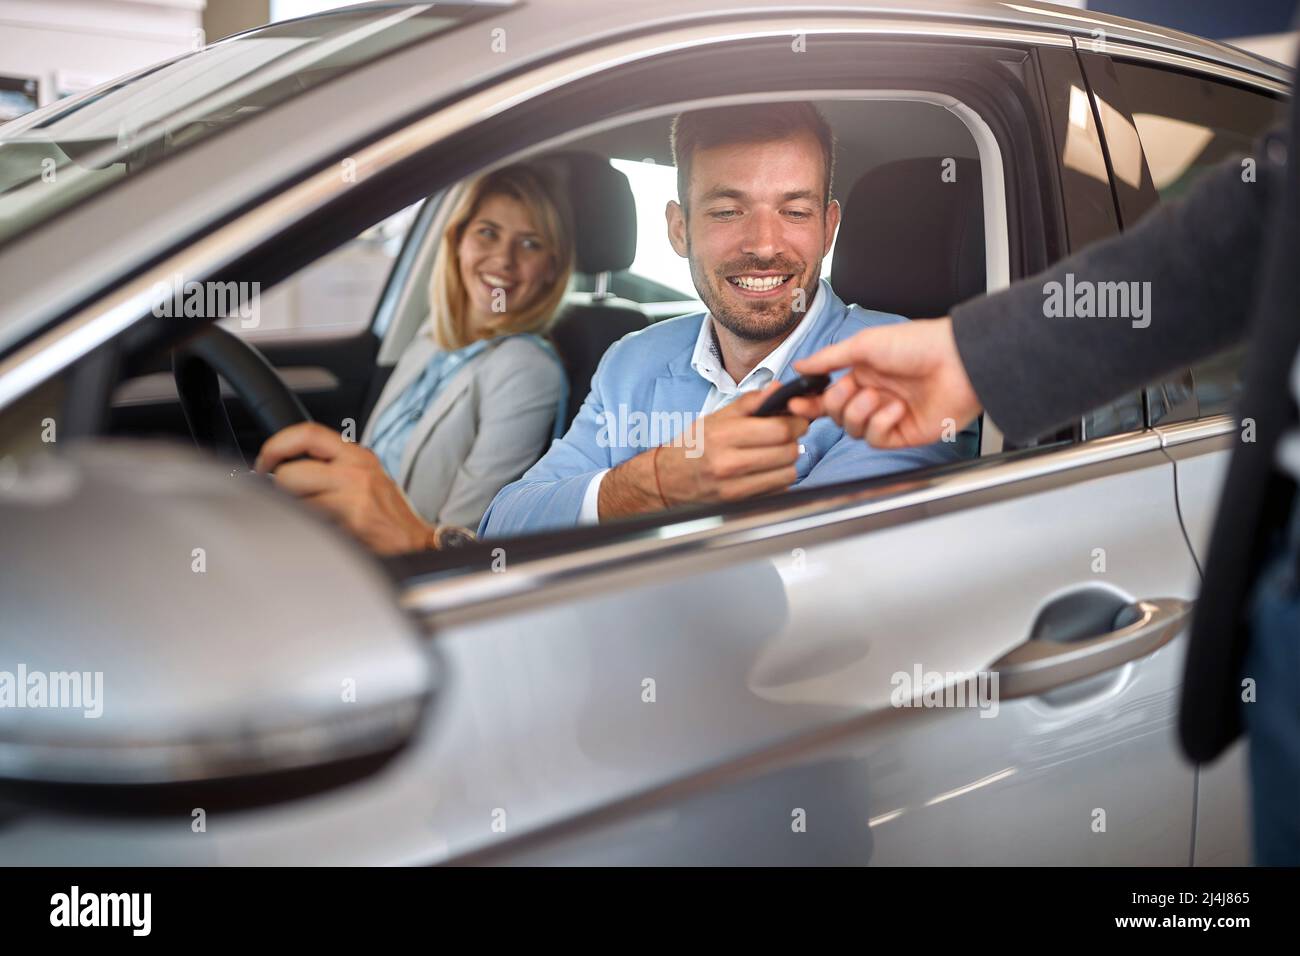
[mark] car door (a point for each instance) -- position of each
(766, 690)
(1183, 122)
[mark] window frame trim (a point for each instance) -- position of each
(1209, 69)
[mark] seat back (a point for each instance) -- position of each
(912, 242)
(604, 219)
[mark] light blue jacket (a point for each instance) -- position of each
(650, 370)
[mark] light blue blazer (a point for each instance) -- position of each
(650, 370)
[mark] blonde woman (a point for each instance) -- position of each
(478, 394)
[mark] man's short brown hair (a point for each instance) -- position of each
(751, 123)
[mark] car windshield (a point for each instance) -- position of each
(66, 151)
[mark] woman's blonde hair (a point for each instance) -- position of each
(536, 189)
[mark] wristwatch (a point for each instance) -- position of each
(451, 536)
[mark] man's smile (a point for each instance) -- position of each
(760, 285)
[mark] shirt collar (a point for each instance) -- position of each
(707, 360)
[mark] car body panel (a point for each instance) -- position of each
(542, 714)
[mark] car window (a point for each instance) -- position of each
(71, 149)
(334, 296)
(1186, 125)
(889, 153)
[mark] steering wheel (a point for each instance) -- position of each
(217, 351)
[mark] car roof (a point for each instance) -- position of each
(562, 22)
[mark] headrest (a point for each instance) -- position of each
(604, 211)
(911, 242)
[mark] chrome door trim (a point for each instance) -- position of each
(1180, 433)
(91, 326)
(693, 541)
(1087, 24)
(1117, 50)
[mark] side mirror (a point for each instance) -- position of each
(167, 624)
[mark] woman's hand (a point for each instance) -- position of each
(348, 484)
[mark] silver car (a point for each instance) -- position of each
(978, 663)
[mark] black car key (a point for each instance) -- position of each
(775, 404)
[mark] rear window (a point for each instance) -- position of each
(1188, 125)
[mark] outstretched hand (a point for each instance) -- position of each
(906, 384)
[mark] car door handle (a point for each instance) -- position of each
(1037, 666)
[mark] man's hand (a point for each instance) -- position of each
(729, 456)
(904, 383)
(348, 484)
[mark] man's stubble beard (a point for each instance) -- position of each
(760, 323)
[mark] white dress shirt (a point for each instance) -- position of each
(707, 362)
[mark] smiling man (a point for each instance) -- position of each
(755, 219)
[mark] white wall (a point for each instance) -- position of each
(80, 43)
(1275, 46)
(288, 9)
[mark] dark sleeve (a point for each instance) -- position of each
(1034, 369)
